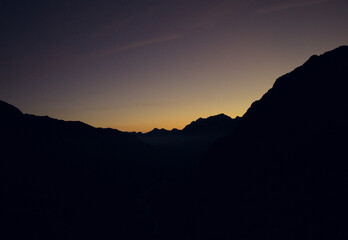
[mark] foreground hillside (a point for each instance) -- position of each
(283, 172)
(69, 180)
(58, 178)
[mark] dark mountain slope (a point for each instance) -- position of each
(68, 180)
(283, 172)
(8, 111)
(172, 202)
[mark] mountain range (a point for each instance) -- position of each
(111, 170)
(278, 172)
(220, 123)
(194, 137)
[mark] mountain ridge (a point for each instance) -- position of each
(195, 125)
(10, 110)
(281, 174)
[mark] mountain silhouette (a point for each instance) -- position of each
(160, 132)
(278, 172)
(211, 125)
(220, 123)
(93, 182)
(8, 111)
(68, 180)
(194, 137)
(282, 174)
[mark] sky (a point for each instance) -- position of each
(136, 65)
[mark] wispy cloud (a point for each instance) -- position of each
(288, 5)
(136, 44)
(199, 19)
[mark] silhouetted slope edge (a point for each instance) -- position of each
(282, 174)
(55, 128)
(159, 132)
(195, 137)
(213, 124)
(8, 110)
(209, 125)
(68, 180)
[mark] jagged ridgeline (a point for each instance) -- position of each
(278, 172)
(92, 182)
(194, 138)
(282, 174)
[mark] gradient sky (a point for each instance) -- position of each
(136, 65)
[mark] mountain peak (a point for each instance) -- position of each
(216, 123)
(9, 109)
(157, 131)
(221, 115)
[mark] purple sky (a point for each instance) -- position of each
(136, 65)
